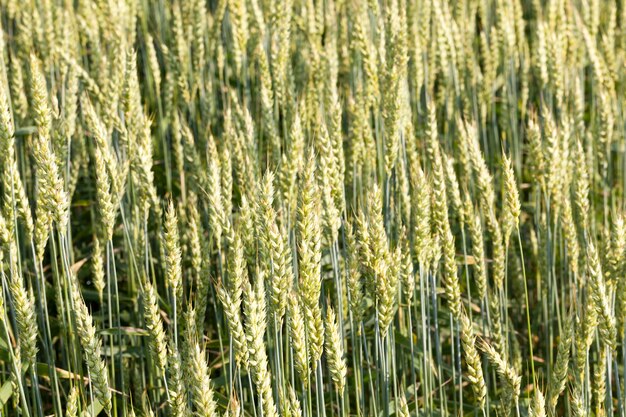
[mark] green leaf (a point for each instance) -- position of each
(5, 392)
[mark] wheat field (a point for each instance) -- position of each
(312, 208)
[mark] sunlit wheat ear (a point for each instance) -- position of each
(293, 161)
(97, 268)
(598, 386)
(177, 401)
(538, 406)
(309, 237)
(14, 192)
(173, 251)
(452, 188)
(421, 214)
(23, 301)
(91, 349)
(451, 279)
(141, 168)
(403, 407)
(577, 402)
(199, 383)
(52, 200)
(433, 150)
(334, 351)
(407, 275)
(477, 247)
(154, 324)
(404, 194)
(473, 362)
(297, 336)
(536, 158)
(380, 262)
(606, 324)
(237, 271)
(256, 325)
(235, 326)
(506, 372)
(227, 187)
(103, 162)
(585, 329)
(616, 245)
(294, 404)
(16, 89)
(275, 249)
(479, 167)
(234, 407)
(40, 99)
(392, 99)
(73, 402)
(197, 246)
(328, 170)
(512, 207)
(354, 284)
(217, 215)
(561, 366)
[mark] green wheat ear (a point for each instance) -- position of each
(92, 347)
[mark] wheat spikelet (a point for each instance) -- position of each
(274, 248)
(200, 384)
(196, 247)
(478, 247)
(383, 263)
(217, 214)
(152, 319)
(173, 252)
(536, 156)
(309, 236)
(506, 372)
(560, 370)
(353, 272)
(13, 186)
(23, 301)
(294, 404)
(407, 277)
(73, 401)
(576, 402)
(512, 210)
(599, 382)
(452, 188)
(328, 170)
(92, 349)
(421, 214)
(297, 335)
(52, 200)
(314, 332)
(107, 211)
(538, 406)
(606, 325)
(256, 324)
(334, 351)
(97, 267)
(235, 326)
(153, 62)
(177, 401)
(237, 271)
(473, 362)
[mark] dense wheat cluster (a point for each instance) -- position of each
(312, 208)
